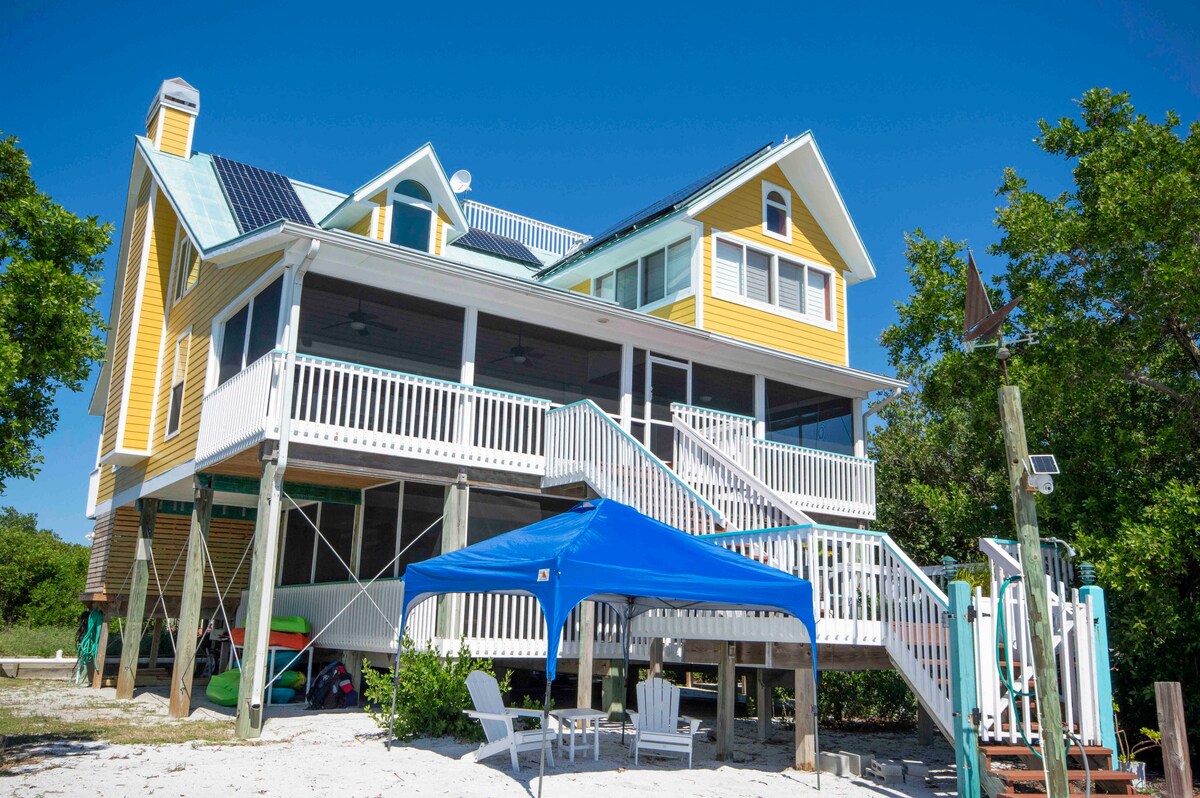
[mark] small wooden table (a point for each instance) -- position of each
(571, 719)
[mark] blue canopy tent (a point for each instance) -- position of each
(603, 550)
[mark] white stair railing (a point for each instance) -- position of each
(745, 501)
(809, 479)
(584, 444)
(1058, 567)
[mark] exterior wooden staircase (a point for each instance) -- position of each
(1013, 771)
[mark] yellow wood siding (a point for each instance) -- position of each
(362, 227)
(740, 213)
(177, 125)
(143, 363)
(380, 199)
(440, 223)
(582, 288)
(682, 311)
(125, 310)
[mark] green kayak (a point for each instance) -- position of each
(291, 623)
(222, 689)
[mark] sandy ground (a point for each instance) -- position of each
(341, 753)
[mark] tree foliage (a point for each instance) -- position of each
(1109, 275)
(41, 575)
(49, 326)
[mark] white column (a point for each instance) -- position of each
(860, 440)
(626, 385)
(470, 331)
(760, 406)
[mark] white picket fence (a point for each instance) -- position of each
(811, 480)
(530, 232)
(1005, 714)
(584, 444)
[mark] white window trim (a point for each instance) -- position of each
(639, 263)
(430, 206)
(217, 331)
(171, 389)
(831, 274)
(767, 188)
(181, 237)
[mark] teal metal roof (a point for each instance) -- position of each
(319, 202)
(194, 189)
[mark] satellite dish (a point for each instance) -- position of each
(460, 181)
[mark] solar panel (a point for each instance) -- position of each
(1043, 464)
(494, 244)
(258, 197)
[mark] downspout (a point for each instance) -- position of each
(285, 422)
(878, 407)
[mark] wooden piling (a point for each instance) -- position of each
(189, 608)
(587, 642)
(726, 700)
(1176, 759)
(135, 611)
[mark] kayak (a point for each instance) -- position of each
(291, 623)
(292, 640)
(282, 695)
(222, 689)
(292, 679)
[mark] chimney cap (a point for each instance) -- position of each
(176, 93)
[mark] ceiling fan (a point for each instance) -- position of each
(521, 355)
(361, 321)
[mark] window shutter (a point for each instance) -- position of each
(758, 276)
(727, 269)
(791, 286)
(818, 303)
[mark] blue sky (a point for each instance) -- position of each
(580, 113)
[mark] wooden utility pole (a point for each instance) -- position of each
(1176, 761)
(1041, 633)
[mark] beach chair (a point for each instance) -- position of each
(657, 722)
(497, 721)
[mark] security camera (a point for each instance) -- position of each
(1045, 486)
(1039, 471)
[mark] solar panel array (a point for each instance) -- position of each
(258, 197)
(494, 244)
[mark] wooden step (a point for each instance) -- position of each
(1036, 795)
(1026, 776)
(995, 750)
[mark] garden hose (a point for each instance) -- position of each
(85, 653)
(1005, 668)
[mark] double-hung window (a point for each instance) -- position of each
(183, 347)
(185, 265)
(654, 277)
(742, 272)
(250, 332)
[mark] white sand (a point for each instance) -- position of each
(341, 754)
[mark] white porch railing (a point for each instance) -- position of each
(237, 414)
(530, 232)
(1004, 713)
(583, 444)
(812, 480)
(1002, 552)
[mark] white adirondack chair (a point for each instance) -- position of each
(497, 721)
(657, 722)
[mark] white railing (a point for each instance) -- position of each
(744, 500)
(237, 414)
(810, 479)
(1058, 567)
(530, 232)
(93, 491)
(1006, 714)
(583, 444)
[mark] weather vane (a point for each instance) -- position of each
(981, 324)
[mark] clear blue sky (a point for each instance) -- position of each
(580, 113)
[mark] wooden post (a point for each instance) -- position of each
(726, 700)
(806, 719)
(260, 595)
(101, 650)
(135, 611)
(764, 703)
(612, 690)
(454, 537)
(924, 726)
(155, 642)
(656, 658)
(587, 647)
(189, 606)
(1176, 760)
(1041, 633)
(964, 697)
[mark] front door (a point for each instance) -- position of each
(667, 381)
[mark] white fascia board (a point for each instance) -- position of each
(449, 200)
(173, 484)
(348, 256)
(806, 170)
(663, 231)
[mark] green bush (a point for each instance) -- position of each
(41, 575)
(37, 641)
(865, 697)
(431, 695)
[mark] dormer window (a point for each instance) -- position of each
(777, 212)
(412, 216)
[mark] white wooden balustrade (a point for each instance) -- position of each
(238, 413)
(530, 232)
(583, 444)
(811, 480)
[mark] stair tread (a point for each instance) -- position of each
(1072, 775)
(997, 749)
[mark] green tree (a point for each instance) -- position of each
(1109, 275)
(41, 575)
(49, 326)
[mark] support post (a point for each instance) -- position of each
(155, 641)
(726, 700)
(587, 647)
(963, 697)
(656, 658)
(101, 650)
(1041, 633)
(764, 703)
(135, 611)
(189, 604)
(454, 537)
(924, 726)
(259, 599)
(806, 718)
(1094, 595)
(612, 690)
(1176, 761)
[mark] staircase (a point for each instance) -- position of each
(1014, 771)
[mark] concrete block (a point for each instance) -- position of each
(859, 763)
(914, 771)
(837, 764)
(887, 773)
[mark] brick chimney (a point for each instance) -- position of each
(172, 117)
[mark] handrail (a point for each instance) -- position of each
(916, 571)
(694, 409)
(531, 232)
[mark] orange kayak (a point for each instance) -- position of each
(292, 640)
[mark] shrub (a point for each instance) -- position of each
(431, 695)
(39, 641)
(866, 696)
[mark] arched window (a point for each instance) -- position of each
(777, 212)
(412, 215)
